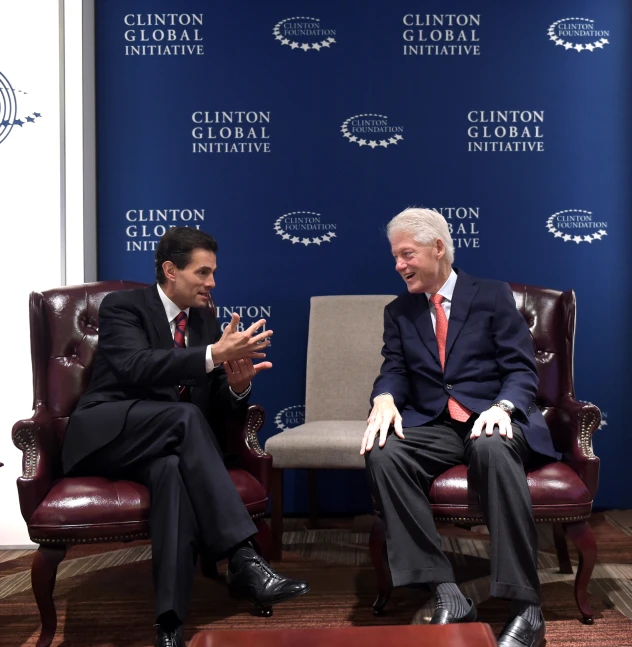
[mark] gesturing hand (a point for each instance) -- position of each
(383, 414)
(234, 345)
(240, 373)
(488, 419)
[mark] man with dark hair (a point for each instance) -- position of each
(161, 362)
(177, 245)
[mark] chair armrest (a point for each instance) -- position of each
(243, 442)
(576, 422)
(33, 437)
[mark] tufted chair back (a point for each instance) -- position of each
(550, 316)
(64, 334)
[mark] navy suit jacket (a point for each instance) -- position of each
(489, 356)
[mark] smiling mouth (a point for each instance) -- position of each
(408, 276)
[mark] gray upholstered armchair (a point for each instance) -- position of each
(345, 339)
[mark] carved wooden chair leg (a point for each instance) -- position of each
(43, 577)
(582, 536)
(276, 494)
(377, 547)
(562, 549)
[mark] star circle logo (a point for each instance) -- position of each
(294, 226)
(9, 110)
(290, 417)
(571, 225)
(304, 33)
(371, 130)
(578, 34)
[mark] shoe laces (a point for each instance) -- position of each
(169, 638)
(266, 568)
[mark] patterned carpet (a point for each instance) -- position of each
(104, 595)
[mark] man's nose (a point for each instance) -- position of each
(399, 266)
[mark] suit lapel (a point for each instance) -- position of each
(423, 323)
(464, 292)
(159, 318)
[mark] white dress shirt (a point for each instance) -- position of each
(172, 311)
(446, 291)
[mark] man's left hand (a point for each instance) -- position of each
(241, 371)
(489, 419)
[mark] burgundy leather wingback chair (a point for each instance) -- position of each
(60, 512)
(562, 492)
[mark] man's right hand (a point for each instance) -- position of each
(383, 414)
(235, 345)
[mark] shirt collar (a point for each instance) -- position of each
(171, 308)
(447, 289)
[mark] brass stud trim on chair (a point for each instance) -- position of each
(92, 540)
(589, 422)
(24, 439)
(254, 422)
(141, 535)
(479, 520)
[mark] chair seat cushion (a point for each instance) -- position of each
(325, 444)
(95, 509)
(557, 493)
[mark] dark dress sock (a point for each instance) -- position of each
(449, 597)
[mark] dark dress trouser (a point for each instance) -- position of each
(170, 448)
(401, 474)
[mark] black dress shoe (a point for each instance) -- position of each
(250, 576)
(519, 633)
(169, 638)
(444, 617)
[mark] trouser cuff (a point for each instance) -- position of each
(422, 576)
(514, 592)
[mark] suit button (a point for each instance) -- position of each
(448, 386)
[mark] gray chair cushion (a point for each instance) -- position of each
(325, 444)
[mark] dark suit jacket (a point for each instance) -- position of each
(489, 356)
(136, 360)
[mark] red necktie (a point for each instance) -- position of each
(181, 326)
(178, 342)
(456, 409)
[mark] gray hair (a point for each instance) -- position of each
(425, 226)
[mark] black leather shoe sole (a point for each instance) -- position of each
(266, 607)
(519, 633)
(444, 617)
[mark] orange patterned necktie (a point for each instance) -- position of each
(456, 409)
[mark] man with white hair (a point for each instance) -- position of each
(457, 385)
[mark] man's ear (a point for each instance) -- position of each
(440, 248)
(170, 270)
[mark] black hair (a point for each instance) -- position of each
(177, 245)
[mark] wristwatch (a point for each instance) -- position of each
(506, 406)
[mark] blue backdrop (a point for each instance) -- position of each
(293, 131)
